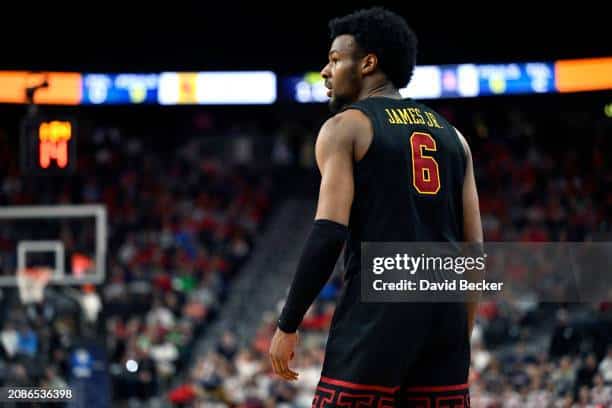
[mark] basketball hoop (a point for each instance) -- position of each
(32, 283)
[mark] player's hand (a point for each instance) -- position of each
(282, 350)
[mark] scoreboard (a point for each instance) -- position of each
(48, 146)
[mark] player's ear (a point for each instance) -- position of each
(369, 63)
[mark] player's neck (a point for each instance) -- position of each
(385, 89)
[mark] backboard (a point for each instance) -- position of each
(69, 239)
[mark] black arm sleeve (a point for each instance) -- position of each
(316, 264)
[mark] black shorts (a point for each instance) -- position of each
(395, 354)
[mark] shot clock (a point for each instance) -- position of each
(48, 146)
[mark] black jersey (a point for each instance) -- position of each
(408, 186)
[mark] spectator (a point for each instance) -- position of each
(564, 338)
(564, 377)
(227, 346)
(586, 372)
(605, 367)
(27, 343)
(601, 393)
(10, 340)
(584, 398)
(91, 303)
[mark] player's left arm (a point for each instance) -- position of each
(472, 224)
(334, 155)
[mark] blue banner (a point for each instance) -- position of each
(114, 89)
(306, 88)
(519, 78)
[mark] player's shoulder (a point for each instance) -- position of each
(346, 125)
(347, 119)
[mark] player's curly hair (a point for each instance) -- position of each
(385, 34)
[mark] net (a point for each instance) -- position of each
(32, 282)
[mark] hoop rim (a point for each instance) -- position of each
(36, 273)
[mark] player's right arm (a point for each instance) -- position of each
(334, 152)
(472, 225)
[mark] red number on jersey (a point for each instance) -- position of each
(425, 173)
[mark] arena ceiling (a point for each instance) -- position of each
(287, 37)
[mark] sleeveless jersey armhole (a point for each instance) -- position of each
(371, 118)
(462, 153)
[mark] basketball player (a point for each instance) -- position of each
(391, 169)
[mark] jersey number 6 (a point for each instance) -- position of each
(425, 172)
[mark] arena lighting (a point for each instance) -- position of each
(309, 88)
(514, 78)
(260, 87)
(116, 89)
(608, 110)
(217, 88)
(474, 80)
(448, 81)
(425, 83)
(131, 366)
(579, 75)
(63, 88)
